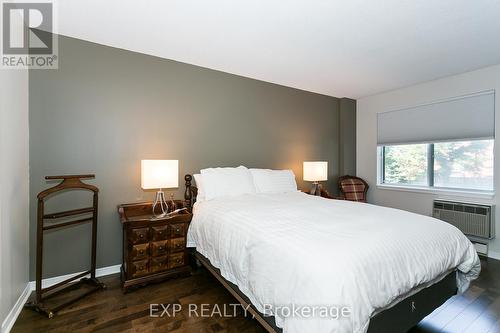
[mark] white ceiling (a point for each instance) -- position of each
(351, 48)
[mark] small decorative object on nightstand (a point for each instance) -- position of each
(315, 172)
(154, 248)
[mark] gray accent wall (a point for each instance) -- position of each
(347, 136)
(105, 109)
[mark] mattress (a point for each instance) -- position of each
(296, 251)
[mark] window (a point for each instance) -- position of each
(464, 165)
(405, 164)
(452, 156)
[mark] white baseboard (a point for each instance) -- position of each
(494, 255)
(16, 310)
(30, 287)
(54, 280)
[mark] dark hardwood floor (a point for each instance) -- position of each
(478, 310)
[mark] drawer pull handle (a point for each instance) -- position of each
(177, 245)
(141, 251)
(141, 236)
(178, 261)
(141, 268)
(177, 230)
(160, 233)
(160, 248)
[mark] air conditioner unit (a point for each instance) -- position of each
(472, 219)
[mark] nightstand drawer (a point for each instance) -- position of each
(159, 233)
(176, 260)
(138, 235)
(177, 244)
(139, 268)
(159, 264)
(159, 248)
(139, 252)
(177, 230)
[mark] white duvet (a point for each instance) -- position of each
(296, 250)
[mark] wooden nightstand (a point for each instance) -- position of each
(324, 194)
(153, 249)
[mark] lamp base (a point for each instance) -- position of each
(160, 200)
(316, 189)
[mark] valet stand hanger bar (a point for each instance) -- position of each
(71, 182)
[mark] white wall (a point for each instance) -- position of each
(14, 189)
(366, 156)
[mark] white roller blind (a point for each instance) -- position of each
(467, 117)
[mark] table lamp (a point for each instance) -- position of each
(315, 172)
(160, 174)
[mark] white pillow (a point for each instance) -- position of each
(273, 181)
(198, 179)
(225, 182)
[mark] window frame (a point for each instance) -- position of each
(430, 187)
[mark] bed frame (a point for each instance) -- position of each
(399, 318)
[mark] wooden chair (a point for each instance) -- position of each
(353, 188)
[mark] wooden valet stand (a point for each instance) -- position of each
(72, 182)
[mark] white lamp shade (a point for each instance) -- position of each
(315, 171)
(159, 174)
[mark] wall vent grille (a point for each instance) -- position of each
(472, 219)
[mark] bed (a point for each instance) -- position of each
(277, 252)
